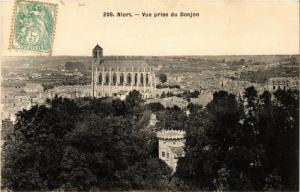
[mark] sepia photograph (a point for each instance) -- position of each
(149, 95)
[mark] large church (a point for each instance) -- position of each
(117, 77)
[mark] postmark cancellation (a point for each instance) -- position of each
(33, 26)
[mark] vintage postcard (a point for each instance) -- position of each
(149, 95)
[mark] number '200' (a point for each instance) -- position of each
(108, 14)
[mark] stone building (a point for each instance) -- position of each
(112, 77)
(276, 83)
(294, 83)
(283, 83)
(69, 91)
(171, 146)
(33, 87)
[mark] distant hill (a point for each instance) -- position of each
(168, 63)
(76, 66)
(56, 62)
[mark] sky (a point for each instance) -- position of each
(224, 27)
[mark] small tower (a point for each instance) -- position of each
(97, 53)
(171, 146)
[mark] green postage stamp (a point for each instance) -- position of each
(33, 26)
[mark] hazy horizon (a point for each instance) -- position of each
(229, 55)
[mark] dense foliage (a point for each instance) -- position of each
(163, 78)
(75, 66)
(245, 143)
(77, 145)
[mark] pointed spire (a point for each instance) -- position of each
(97, 47)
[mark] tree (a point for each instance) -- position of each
(250, 139)
(245, 144)
(187, 94)
(171, 118)
(194, 108)
(133, 100)
(210, 136)
(111, 154)
(215, 147)
(281, 139)
(163, 77)
(76, 173)
(33, 151)
(72, 66)
(103, 143)
(163, 95)
(242, 61)
(148, 175)
(6, 129)
(170, 94)
(252, 145)
(119, 107)
(155, 107)
(83, 144)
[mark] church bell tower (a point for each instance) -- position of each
(97, 53)
(97, 57)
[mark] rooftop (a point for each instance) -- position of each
(33, 85)
(97, 47)
(124, 63)
(11, 89)
(279, 78)
(179, 151)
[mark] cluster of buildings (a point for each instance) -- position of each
(282, 83)
(14, 99)
(208, 82)
(116, 77)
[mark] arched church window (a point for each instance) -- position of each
(142, 79)
(135, 78)
(107, 78)
(147, 79)
(121, 78)
(100, 78)
(129, 78)
(114, 78)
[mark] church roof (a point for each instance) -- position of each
(124, 63)
(97, 47)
